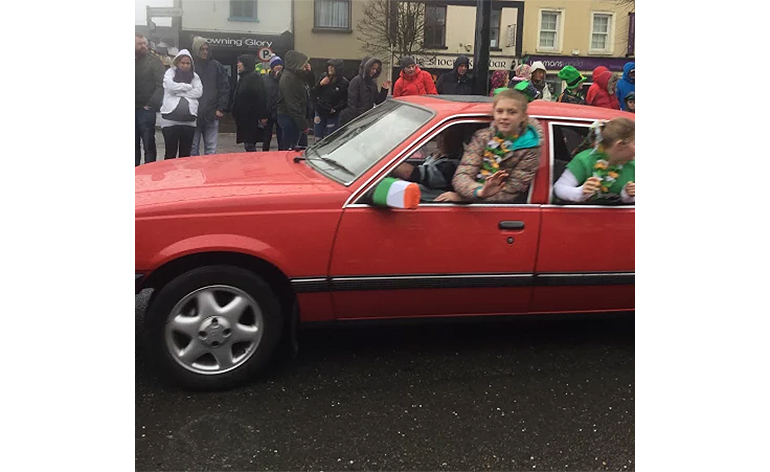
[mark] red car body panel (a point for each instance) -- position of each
(367, 262)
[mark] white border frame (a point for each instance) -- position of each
(610, 34)
(559, 43)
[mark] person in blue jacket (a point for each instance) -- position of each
(626, 85)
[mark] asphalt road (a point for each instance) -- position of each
(518, 394)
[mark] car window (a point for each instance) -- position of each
(565, 139)
(355, 147)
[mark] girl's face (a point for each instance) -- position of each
(508, 116)
(623, 151)
(184, 64)
(330, 70)
(538, 75)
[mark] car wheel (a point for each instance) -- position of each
(214, 327)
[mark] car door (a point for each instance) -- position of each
(586, 254)
(438, 259)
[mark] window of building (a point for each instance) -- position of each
(332, 14)
(243, 9)
(494, 29)
(549, 29)
(435, 26)
(600, 32)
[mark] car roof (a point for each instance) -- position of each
(477, 104)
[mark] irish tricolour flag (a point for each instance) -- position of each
(396, 193)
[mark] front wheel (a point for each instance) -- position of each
(214, 327)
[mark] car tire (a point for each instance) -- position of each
(214, 327)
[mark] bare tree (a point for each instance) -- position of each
(390, 25)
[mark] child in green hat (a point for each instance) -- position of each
(573, 93)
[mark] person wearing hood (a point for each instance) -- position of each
(182, 89)
(626, 84)
(148, 95)
(573, 92)
(498, 80)
(522, 81)
(631, 102)
(457, 82)
(599, 94)
(273, 94)
(538, 72)
(363, 92)
(249, 103)
(213, 103)
(413, 80)
(294, 102)
(330, 97)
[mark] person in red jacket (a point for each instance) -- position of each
(413, 80)
(599, 95)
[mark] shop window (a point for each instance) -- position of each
(435, 26)
(600, 32)
(241, 10)
(332, 14)
(494, 29)
(565, 141)
(550, 26)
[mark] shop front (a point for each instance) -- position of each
(226, 47)
(437, 64)
(585, 65)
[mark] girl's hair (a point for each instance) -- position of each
(617, 129)
(510, 94)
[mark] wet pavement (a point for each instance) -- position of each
(521, 394)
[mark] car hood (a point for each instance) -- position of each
(231, 181)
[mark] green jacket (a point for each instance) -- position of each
(149, 82)
(293, 99)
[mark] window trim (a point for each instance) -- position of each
(610, 33)
(418, 144)
(254, 19)
(558, 45)
(333, 29)
(443, 38)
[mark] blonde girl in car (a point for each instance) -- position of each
(500, 161)
(603, 173)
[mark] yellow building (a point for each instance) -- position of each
(581, 33)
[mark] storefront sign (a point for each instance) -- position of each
(232, 41)
(447, 62)
(555, 63)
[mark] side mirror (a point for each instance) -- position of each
(396, 193)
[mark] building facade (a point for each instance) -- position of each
(235, 27)
(581, 33)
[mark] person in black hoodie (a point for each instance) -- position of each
(294, 102)
(330, 96)
(457, 82)
(362, 91)
(249, 103)
(273, 94)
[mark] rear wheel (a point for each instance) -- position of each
(214, 327)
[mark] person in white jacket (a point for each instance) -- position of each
(538, 80)
(179, 112)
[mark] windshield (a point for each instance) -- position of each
(356, 147)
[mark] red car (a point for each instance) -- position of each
(241, 248)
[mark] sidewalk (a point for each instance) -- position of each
(225, 145)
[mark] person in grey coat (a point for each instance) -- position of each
(213, 103)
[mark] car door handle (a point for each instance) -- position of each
(511, 225)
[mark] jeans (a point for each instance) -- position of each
(209, 132)
(269, 134)
(324, 125)
(178, 137)
(290, 133)
(144, 124)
